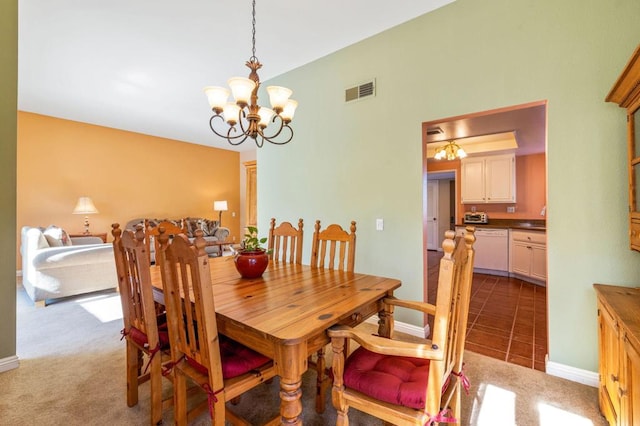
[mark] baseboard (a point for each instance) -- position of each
(574, 374)
(403, 327)
(9, 363)
(577, 375)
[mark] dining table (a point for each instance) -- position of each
(285, 313)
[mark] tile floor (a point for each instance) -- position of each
(507, 317)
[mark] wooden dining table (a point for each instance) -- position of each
(285, 314)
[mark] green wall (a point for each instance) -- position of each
(362, 161)
(8, 114)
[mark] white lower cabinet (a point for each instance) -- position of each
(528, 255)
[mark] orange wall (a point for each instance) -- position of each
(531, 187)
(127, 175)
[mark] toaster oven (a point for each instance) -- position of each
(477, 217)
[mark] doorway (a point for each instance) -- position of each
(527, 126)
(441, 206)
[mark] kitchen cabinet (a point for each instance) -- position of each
(626, 93)
(490, 179)
(619, 352)
(528, 255)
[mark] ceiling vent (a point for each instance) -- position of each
(434, 131)
(360, 91)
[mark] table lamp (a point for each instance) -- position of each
(220, 206)
(86, 207)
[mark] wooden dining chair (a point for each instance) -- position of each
(285, 242)
(144, 331)
(152, 230)
(221, 367)
(332, 248)
(408, 382)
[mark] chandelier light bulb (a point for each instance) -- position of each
(289, 110)
(278, 96)
(231, 113)
(265, 116)
(241, 88)
(217, 97)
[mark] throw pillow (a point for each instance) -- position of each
(212, 227)
(56, 236)
(202, 225)
(192, 226)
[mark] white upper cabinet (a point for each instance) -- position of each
(490, 179)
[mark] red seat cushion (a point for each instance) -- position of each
(163, 335)
(237, 359)
(394, 379)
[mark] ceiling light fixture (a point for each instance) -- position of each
(245, 113)
(450, 151)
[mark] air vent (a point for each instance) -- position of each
(434, 131)
(360, 91)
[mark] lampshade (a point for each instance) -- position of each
(265, 116)
(217, 96)
(241, 88)
(220, 206)
(85, 206)
(278, 96)
(289, 110)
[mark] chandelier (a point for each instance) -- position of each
(244, 117)
(450, 151)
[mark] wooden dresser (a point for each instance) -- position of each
(619, 350)
(626, 93)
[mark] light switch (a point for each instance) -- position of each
(379, 224)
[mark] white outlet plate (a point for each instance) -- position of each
(511, 209)
(379, 224)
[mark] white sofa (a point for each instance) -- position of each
(84, 266)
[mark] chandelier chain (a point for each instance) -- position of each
(253, 34)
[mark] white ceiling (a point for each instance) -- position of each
(140, 65)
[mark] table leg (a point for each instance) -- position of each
(385, 322)
(291, 363)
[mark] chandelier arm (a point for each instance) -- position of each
(271, 138)
(282, 125)
(227, 136)
(242, 120)
(234, 143)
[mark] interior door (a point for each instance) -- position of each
(432, 214)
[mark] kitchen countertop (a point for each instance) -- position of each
(523, 224)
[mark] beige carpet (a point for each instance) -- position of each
(72, 373)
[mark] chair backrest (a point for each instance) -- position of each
(334, 248)
(152, 232)
(134, 282)
(285, 242)
(452, 311)
(193, 330)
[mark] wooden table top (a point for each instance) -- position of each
(289, 303)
